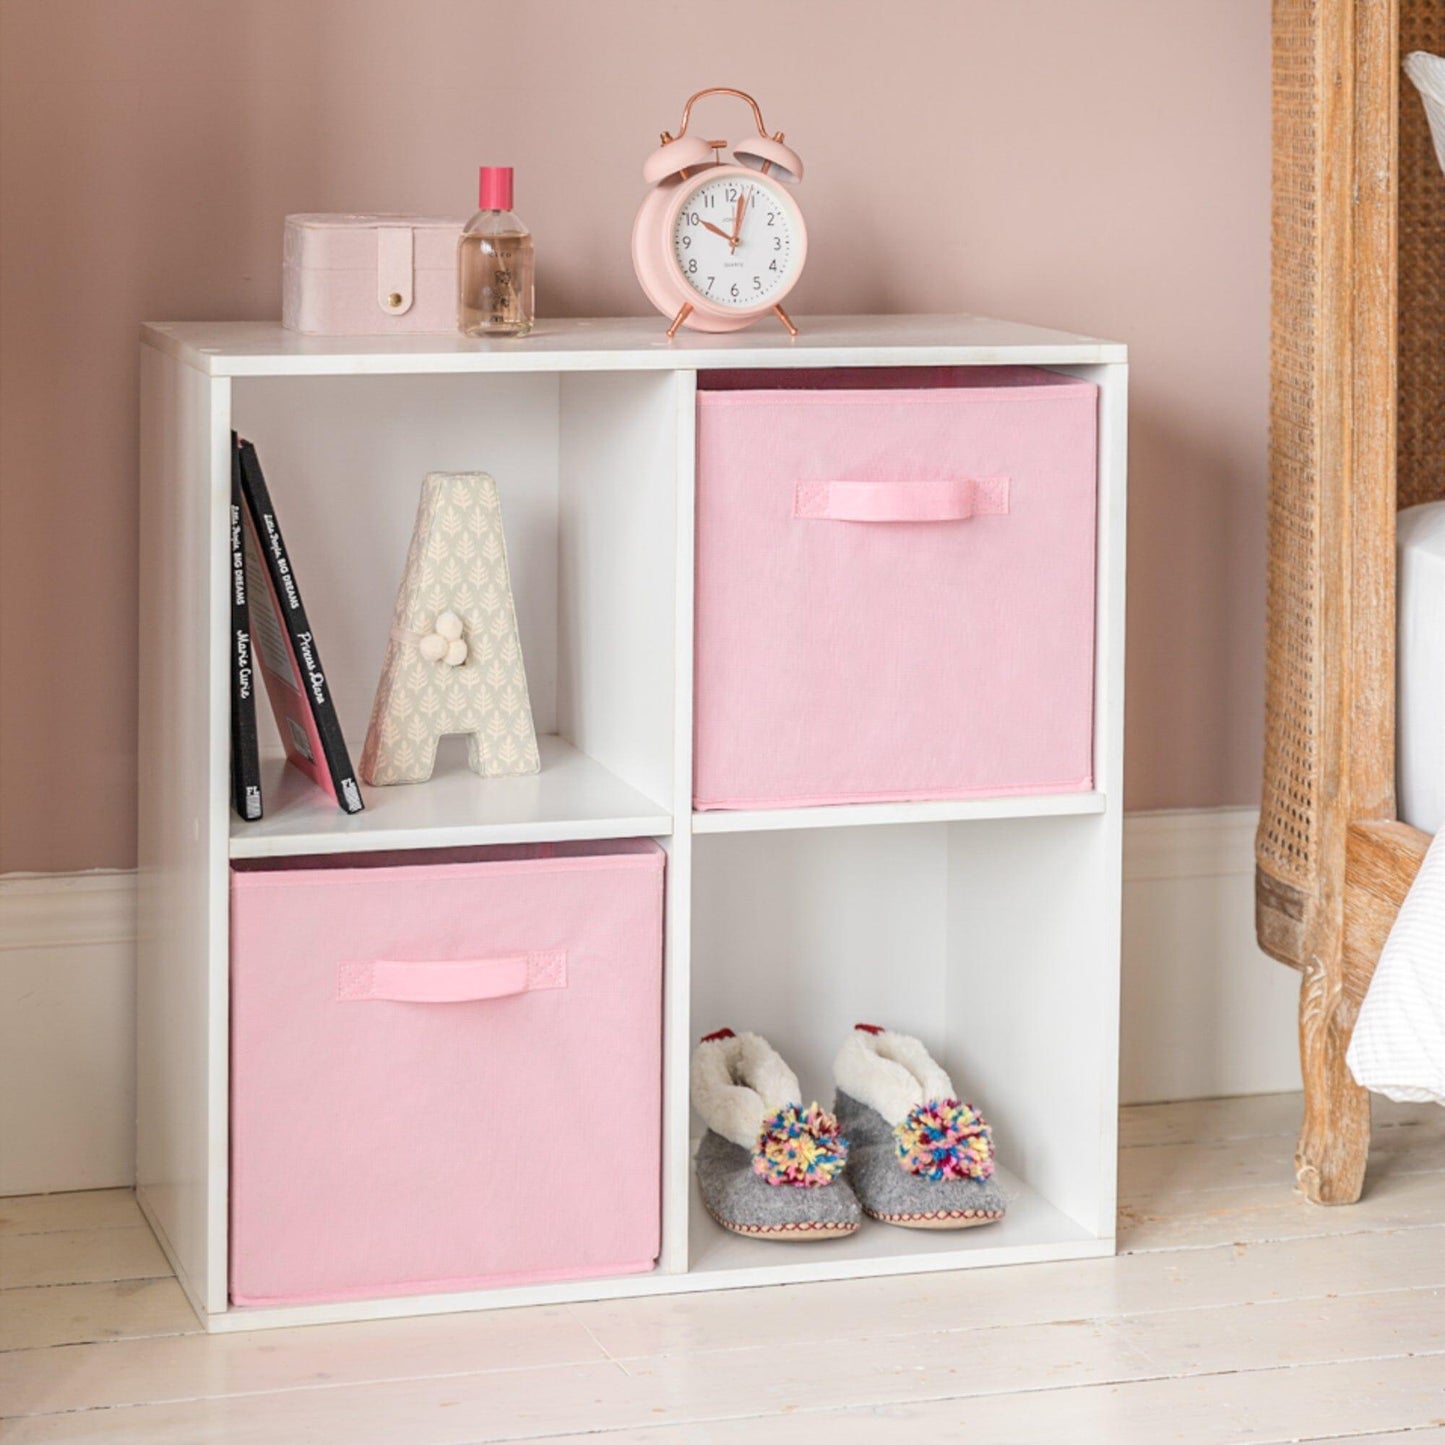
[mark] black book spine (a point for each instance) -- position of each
(298, 630)
(245, 750)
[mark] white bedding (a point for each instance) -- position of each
(1398, 1048)
(1428, 73)
(1420, 673)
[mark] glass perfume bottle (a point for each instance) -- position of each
(494, 263)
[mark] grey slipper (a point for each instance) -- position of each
(767, 1167)
(917, 1156)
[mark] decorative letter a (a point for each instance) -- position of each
(456, 590)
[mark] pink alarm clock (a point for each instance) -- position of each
(715, 245)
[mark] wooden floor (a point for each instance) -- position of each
(1235, 1312)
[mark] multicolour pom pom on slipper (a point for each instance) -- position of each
(759, 1136)
(918, 1157)
(944, 1139)
(801, 1147)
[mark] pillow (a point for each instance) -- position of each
(1428, 73)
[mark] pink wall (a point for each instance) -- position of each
(1098, 166)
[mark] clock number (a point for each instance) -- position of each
(692, 266)
(772, 265)
(777, 243)
(686, 241)
(710, 280)
(731, 194)
(710, 200)
(733, 291)
(772, 218)
(757, 283)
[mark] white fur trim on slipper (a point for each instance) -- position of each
(892, 1073)
(739, 1081)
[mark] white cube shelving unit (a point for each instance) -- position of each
(988, 926)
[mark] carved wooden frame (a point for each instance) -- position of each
(1354, 222)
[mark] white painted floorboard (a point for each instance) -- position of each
(1235, 1312)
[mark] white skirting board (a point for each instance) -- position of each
(67, 1031)
(1205, 1013)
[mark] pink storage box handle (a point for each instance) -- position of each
(468, 980)
(954, 500)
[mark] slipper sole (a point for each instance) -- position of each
(940, 1219)
(810, 1229)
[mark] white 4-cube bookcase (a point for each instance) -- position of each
(989, 926)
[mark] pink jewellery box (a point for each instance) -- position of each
(895, 585)
(370, 275)
(445, 1069)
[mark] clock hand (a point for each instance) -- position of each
(737, 223)
(717, 231)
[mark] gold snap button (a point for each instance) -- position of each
(394, 300)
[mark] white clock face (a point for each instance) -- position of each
(734, 242)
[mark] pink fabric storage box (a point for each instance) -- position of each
(895, 585)
(445, 1070)
(360, 275)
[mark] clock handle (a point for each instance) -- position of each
(955, 500)
(681, 153)
(722, 90)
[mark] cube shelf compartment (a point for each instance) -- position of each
(989, 926)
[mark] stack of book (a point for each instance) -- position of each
(270, 632)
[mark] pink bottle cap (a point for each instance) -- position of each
(494, 193)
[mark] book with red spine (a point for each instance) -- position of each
(286, 650)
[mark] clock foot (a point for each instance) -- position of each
(679, 319)
(784, 318)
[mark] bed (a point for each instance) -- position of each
(1357, 433)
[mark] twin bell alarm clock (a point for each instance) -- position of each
(717, 244)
